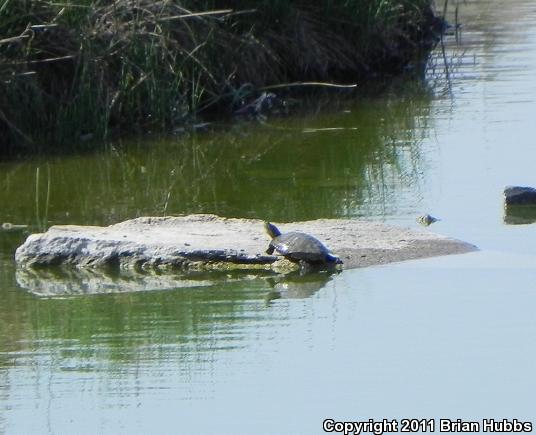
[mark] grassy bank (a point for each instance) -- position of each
(72, 70)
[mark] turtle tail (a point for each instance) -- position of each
(271, 229)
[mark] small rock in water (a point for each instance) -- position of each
(519, 195)
(426, 220)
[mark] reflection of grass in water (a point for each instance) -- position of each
(122, 326)
(296, 175)
(41, 221)
(278, 171)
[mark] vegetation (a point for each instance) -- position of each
(72, 70)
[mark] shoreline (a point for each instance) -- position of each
(75, 76)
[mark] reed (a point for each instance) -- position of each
(76, 70)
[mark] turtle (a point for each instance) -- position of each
(299, 247)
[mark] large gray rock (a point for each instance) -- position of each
(207, 242)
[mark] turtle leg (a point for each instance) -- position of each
(270, 250)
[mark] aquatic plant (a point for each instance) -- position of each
(72, 71)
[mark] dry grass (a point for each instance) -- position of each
(74, 70)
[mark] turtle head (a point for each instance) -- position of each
(330, 258)
(271, 229)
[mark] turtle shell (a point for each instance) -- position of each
(300, 246)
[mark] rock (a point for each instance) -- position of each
(426, 220)
(518, 195)
(209, 242)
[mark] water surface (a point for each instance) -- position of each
(447, 337)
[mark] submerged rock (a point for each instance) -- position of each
(209, 242)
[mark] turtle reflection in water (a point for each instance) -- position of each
(300, 248)
(297, 284)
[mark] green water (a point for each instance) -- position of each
(348, 162)
(448, 337)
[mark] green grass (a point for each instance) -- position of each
(76, 70)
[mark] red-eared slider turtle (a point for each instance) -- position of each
(299, 247)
